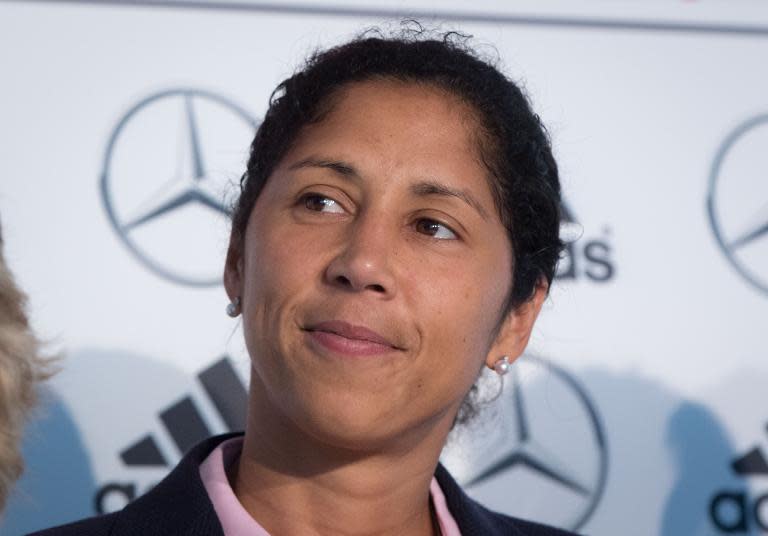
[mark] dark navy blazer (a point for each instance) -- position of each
(179, 505)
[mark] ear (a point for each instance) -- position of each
(516, 328)
(233, 267)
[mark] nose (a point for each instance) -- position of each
(364, 263)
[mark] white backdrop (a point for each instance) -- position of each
(645, 392)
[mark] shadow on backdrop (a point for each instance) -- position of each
(56, 464)
(101, 403)
(703, 456)
(669, 456)
(657, 441)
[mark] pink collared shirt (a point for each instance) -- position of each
(236, 521)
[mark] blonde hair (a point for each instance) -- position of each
(21, 368)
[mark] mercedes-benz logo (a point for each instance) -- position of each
(737, 201)
(542, 455)
(168, 165)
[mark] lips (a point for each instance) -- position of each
(342, 337)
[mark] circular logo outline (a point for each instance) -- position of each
(597, 426)
(730, 140)
(106, 193)
(600, 438)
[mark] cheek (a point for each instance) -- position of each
(459, 314)
(276, 263)
(274, 274)
(463, 297)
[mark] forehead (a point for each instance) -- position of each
(428, 110)
(401, 128)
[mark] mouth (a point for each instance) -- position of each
(348, 339)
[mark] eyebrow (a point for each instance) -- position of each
(426, 188)
(421, 189)
(342, 168)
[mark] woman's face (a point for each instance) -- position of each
(374, 269)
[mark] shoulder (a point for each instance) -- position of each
(522, 527)
(178, 504)
(94, 526)
(475, 519)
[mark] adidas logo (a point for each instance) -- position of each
(185, 425)
(738, 511)
(183, 421)
(753, 463)
(584, 257)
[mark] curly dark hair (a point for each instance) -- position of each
(513, 143)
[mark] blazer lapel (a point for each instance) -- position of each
(179, 504)
(472, 518)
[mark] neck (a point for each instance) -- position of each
(292, 483)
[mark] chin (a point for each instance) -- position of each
(346, 423)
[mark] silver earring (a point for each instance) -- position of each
(233, 307)
(502, 365)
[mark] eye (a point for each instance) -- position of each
(435, 229)
(321, 203)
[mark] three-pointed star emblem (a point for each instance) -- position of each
(155, 211)
(540, 443)
(188, 184)
(527, 452)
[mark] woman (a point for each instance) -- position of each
(397, 231)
